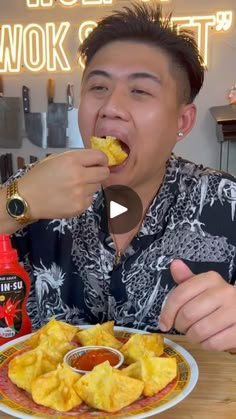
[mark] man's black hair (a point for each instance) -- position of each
(146, 24)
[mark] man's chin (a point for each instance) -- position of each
(119, 175)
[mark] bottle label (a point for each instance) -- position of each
(12, 295)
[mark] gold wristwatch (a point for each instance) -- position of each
(16, 206)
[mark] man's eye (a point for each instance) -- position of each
(140, 92)
(98, 88)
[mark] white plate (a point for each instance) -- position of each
(18, 403)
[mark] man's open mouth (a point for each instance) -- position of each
(124, 146)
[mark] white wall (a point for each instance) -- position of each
(200, 145)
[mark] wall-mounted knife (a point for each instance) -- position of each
(35, 122)
(10, 120)
(57, 119)
(73, 132)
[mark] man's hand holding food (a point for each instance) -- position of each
(63, 185)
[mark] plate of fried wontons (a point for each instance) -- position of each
(35, 381)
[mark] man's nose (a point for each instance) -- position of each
(115, 105)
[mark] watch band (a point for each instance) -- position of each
(12, 193)
(12, 189)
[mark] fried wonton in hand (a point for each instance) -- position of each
(98, 335)
(105, 388)
(155, 372)
(138, 345)
(56, 389)
(60, 330)
(24, 368)
(111, 147)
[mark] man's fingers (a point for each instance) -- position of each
(203, 285)
(96, 174)
(185, 292)
(180, 271)
(222, 341)
(211, 324)
(91, 157)
(196, 309)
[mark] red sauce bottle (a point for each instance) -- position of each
(14, 291)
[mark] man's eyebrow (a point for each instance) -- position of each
(133, 76)
(144, 75)
(94, 73)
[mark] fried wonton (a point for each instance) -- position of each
(111, 147)
(108, 326)
(98, 335)
(24, 368)
(54, 347)
(56, 389)
(105, 388)
(138, 345)
(155, 372)
(60, 330)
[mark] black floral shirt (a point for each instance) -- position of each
(71, 261)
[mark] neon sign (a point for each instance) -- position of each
(67, 3)
(39, 47)
(221, 22)
(43, 47)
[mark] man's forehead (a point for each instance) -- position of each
(119, 48)
(137, 58)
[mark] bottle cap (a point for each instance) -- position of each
(7, 252)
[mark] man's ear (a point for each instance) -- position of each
(186, 120)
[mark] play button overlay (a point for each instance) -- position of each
(116, 209)
(124, 208)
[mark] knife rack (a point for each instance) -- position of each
(225, 117)
(7, 165)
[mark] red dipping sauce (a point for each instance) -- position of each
(90, 359)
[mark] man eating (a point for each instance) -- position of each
(174, 270)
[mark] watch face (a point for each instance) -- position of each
(16, 207)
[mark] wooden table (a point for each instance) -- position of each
(214, 396)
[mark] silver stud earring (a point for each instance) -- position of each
(180, 134)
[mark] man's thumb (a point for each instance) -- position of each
(180, 271)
